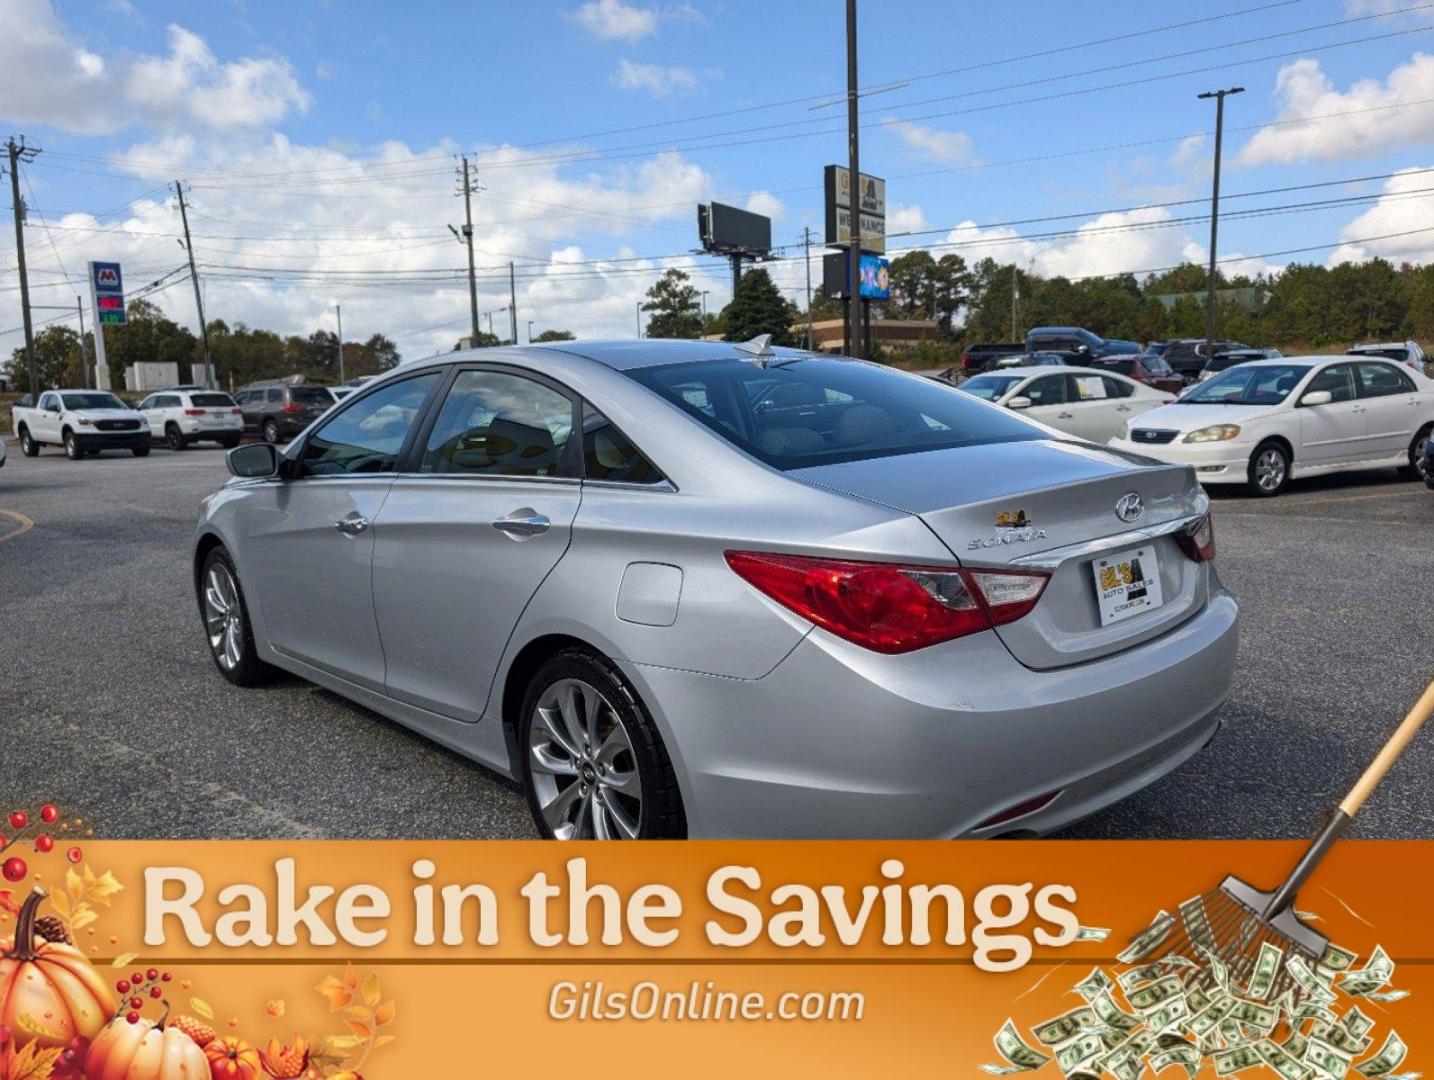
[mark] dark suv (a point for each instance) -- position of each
(1188, 355)
(282, 410)
(980, 356)
(1077, 341)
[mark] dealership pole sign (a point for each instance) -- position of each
(872, 202)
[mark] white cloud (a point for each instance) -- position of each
(767, 204)
(1192, 153)
(48, 77)
(655, 79)
(1357, 8)
(931, 144)
(612, 20)
(1304, 90)
(1403, 207)
(904, 219)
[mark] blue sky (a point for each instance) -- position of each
(319, 138)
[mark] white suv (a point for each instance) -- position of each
(181, 417)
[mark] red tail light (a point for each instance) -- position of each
(193, 412)
(293, 407)
(891, 608)
(1198, 541)
(237, 411)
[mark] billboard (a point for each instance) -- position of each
(728, 230)
(875, 273)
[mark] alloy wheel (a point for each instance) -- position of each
(584, 771)
(1421, 461)
(1270, 470)
(223, 618)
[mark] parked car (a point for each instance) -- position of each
(1429, 463)
(974, 358)
(1037, 359)
(1265, 422)
(82, 421)
(181, 417)
(1089, 403)
(1148, 368)
(1405, 352)
(1228, 359)
(282, 410)
(1083, 345)
(1188, 355)
(934, 618)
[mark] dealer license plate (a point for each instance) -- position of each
(1126, 584)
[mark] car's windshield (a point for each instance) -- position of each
(93, 401)
(820, 411)
(990, 387)
(1248, 385)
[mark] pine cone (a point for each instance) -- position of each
(52, 929)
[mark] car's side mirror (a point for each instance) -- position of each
(1317, 397)
(1020, 401)
(255, 461)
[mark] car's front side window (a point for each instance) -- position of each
(1338, 379)
(496, 423)
(368, 436)
(1048, 390)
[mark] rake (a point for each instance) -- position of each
(1233, 921)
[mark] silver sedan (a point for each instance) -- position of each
(705, 589)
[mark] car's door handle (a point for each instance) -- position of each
(522, 524)
(352, 524)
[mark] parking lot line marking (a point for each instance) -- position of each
(25, 524)
(1359, 498)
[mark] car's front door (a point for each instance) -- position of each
(1391, 407)
(47, 419)
(471, 527)
(1334, 433)
(307, 558)
(1050, 402)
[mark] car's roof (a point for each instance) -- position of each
(1379, 345)
(1045, 369)
(621, 355)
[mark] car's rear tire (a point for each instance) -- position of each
(139, 451)
(174, 438)
(28, 446)
(72, 447)
(227, 629)
(1269, 469)
(1417, 469)
(271, 431)
(592, 761)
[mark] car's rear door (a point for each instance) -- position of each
(1391, 407)
(479, 515)
(307, 557)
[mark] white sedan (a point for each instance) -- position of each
(1268, 421)
(1084, 402)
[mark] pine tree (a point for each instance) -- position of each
(759, 308)
(675, 307)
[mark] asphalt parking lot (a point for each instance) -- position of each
(111, 706)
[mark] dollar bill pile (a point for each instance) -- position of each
(1194, 1012)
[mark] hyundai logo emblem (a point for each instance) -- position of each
(1129, 507)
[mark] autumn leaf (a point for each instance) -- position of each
(7, 902)
(338, 994)
(335, 1044)
(103, 888)
(384, 1014)
(123, 960)
(351, 979)
(32, 1062)
(202, 1007)
(61, 903)
(84, 915)
(359, 1013)
(74, 885)
(363, 1031)
(383, 1040)
(371, 993)
(276, 1008)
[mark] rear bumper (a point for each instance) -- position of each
(1214, 463)
(841, 742)
(212, 429)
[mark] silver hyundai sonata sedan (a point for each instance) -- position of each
(684, 588)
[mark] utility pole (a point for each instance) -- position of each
(489, 316)
(84, 352)
(1219, 96)
(339, 315)
(639, 319)
(853, 254)
(468, 238)
(1015, 297)
(17, 152)
(530, 331)
(513, 303)
(807, 243)
(198, 295)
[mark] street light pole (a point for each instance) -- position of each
(530, 331)
(1219, 96)
(639, 318)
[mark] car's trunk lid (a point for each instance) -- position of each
(1051, 505)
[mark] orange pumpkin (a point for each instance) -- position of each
(144, 1051)
(49, 994)
(231, 1058)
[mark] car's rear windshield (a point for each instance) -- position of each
(93, 401)
(311, 395)
(794, 413)
(210, 401)
(1248, 384)
(1402, 355)
(990, 387)
(1120, 367)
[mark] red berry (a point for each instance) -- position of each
(137, 978)
(74, 854)
(152, 974)
(19, 819)
(166, 977)
(14, 869)
(136, 1003)
(155, 991)
(48, 814)
(122, 986)
(44, 843)
(132, 1017)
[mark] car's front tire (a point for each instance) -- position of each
(1269, 469)
(72, 447)
(28, 446)
(593, 763)
(226, 623)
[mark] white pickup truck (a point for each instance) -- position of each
(83, 422)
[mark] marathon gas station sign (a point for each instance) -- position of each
(107, 293)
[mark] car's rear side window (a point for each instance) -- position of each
(610, 455)
(797, 412)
